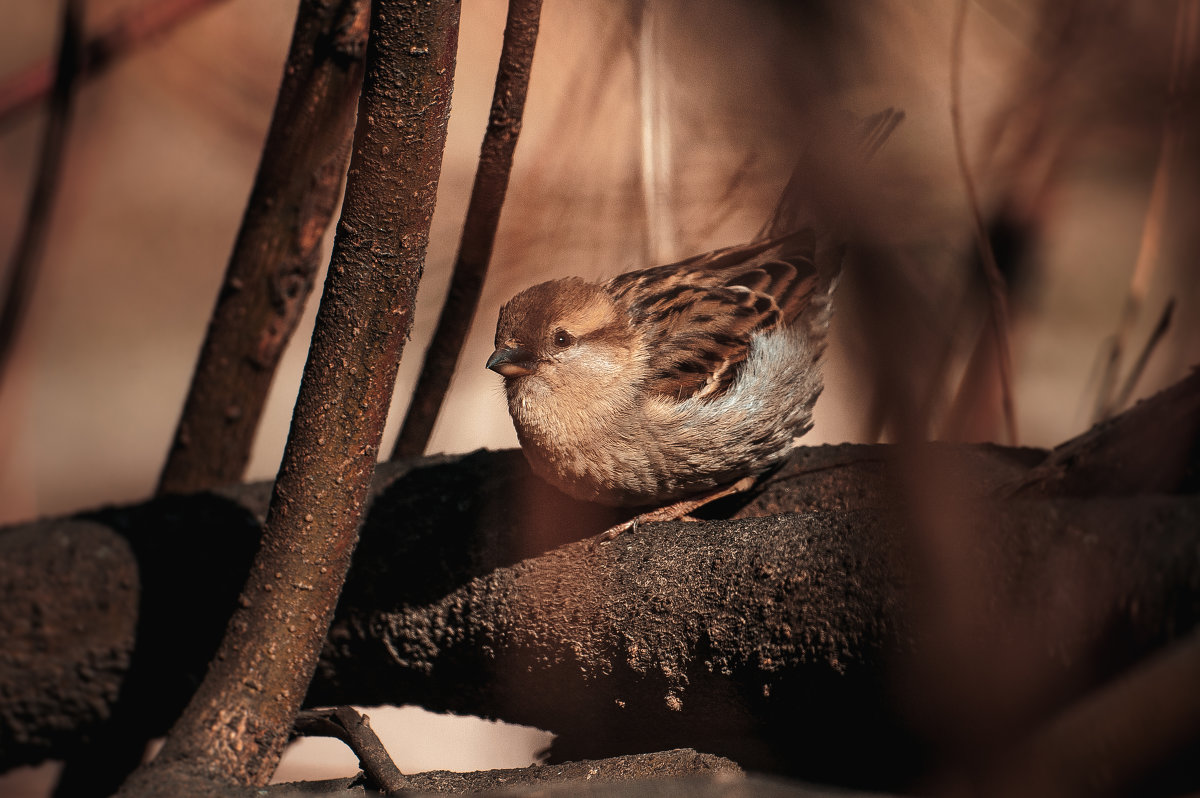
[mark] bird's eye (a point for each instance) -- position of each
(562, 339)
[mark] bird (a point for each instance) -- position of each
(669, 386)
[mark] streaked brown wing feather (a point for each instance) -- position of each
(701, 313)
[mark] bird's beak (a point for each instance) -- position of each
(512, 361)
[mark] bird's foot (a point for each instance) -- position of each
(680, 510)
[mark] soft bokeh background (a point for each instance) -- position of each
(1063, 117)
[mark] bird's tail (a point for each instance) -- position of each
(814, 196)
(801, 203)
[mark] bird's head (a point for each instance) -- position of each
(562, 334)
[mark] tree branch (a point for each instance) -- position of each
(719, 634)
(479, 229)
(32, 241)
(235, 726)
(23, 90)
(997, 290)
(275, 258)
(346, 724)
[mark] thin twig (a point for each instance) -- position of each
(32, 242)
(997, 290)
(276, 255)
(1183, 55)
(346, 724)
(877, 128)
(22, 91)
(1135, 373)
(479, 228)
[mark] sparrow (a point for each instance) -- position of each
(672, 385)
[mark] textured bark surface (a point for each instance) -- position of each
(793, 643)
(267, 282)
(665, 774)
(808, 641)
(479, 227)
(275, 258)
(70, 594)
(718, 635)
(624, 775)
(235, 726)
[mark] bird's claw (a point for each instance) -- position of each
(613, 532)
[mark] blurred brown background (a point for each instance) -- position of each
(1063, 106)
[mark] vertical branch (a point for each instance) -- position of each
(237, 723)
(997, 291)
(22, 90)
(32, 240)
(479, 229)
(269, 277)
(1183, 54)
(275, 258)
(1139, 365)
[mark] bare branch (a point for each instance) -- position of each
(126, 33)
(237, 723)
(1139, 365)
(275, 258)
(479, 229)
(269, 278)
(997, 291)
(32, 241)
(346, 724)
(1183, 56)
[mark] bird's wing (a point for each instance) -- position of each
(699, 314)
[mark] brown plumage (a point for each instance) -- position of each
(701, 312)
(666, 382)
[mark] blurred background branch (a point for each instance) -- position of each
(1179, 84)
(31, 243)
(22, 90)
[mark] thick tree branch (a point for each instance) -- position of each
(275, 257)
(663, 774)
(268, 279)
(732, 636)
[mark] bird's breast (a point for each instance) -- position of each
(585, 446)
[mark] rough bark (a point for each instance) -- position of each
(275, 257)
(788, 643)
(479, 227)
(235, 726)
(717, 635)
(665, 774)
(269, 277)
(354, 729)
(833, 605)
